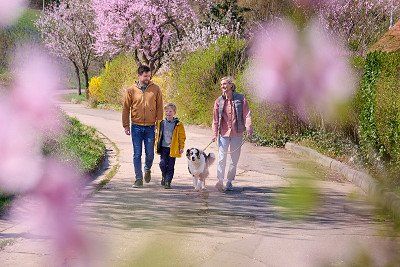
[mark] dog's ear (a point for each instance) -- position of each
(187, 152)
(198, 153)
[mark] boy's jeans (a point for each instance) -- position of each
(142, 134)
(233, 143)
(167, 164)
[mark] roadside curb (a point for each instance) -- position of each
(112, 156)
(387, 199)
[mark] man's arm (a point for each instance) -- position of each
(159, 106)
(126, 111)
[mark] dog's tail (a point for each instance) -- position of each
(210, 158)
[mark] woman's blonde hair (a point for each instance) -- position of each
(229, 79)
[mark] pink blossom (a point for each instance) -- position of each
(306, 71)
(36, 80)
(358, 22)
(147, 28)
(67, 30)
(20, 164)
(311, 3)
(10, 10)
(50, 210)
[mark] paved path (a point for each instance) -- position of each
(180, 227)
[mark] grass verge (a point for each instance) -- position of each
(80, 144)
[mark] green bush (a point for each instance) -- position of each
(368, 132)
(380, 110)
(273, 126)
(196, 79)
(388, 107)
(117, 75)
(23, 30)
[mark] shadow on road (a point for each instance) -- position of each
(184, 210)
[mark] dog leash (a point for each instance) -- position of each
(208, 145)
(226, 152)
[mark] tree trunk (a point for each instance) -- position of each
(78, 78)
(86, 74)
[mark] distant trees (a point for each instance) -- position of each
(68, 32)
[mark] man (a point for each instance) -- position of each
(143, 103)
(231, 119)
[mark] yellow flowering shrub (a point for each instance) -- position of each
(95, 89)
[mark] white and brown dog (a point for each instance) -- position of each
(198, 164)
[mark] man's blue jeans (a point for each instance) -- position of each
(142, 134)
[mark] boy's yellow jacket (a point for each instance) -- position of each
(178, 139)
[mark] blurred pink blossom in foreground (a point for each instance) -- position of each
(10, 10)
(307, 71)
(36, 80)
(48, 190)
(50, 210)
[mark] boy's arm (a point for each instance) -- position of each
(181, 138)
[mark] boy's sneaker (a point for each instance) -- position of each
(229, 186)
(220, 186)
(167, 185)
(147, 176)
(138, 184)
(162, 181)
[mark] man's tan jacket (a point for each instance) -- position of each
(145, 108)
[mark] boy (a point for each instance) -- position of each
(170, 143)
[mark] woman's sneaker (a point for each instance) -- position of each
(167, 185)
(220, 186)
(162, 181)
(229, 186)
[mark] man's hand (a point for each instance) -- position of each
(127, 131)
(214, 139)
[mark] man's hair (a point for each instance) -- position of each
(229, 79)
(142, 69)
(170, 105)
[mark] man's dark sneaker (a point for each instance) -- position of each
(167, 185)
(138, 184)
(147, 176)
(162, 181)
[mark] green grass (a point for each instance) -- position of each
(80, 144)
(109, 106)
(6, 242)
(5, 78)
(331, 144)
(5, 201)
(75, 97)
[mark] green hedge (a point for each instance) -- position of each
(23, 30)
(380, 109)
(273, 125)
(117, 75)
(196, 79)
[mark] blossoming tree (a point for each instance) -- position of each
(68, 32)
(359, 22)
(149, 29)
